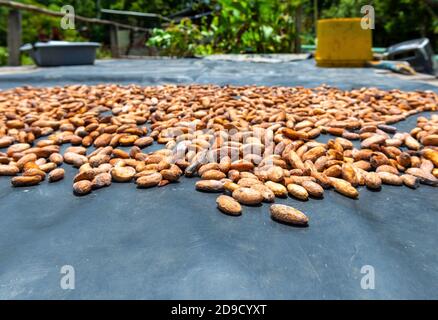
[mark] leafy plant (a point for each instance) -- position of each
(184, 39)
(255, 25)
(263, 26)
(26, 60)
(3, 56)
(103, 53)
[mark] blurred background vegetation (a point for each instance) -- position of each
(228, 26)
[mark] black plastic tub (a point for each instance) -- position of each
(62, 53)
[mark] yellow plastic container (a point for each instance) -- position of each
(343, 43)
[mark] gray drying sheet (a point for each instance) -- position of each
(172, 242)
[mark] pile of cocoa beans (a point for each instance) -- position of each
(250, 143)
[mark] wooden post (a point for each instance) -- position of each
(298, 23)
(14, 37)
(114, 43)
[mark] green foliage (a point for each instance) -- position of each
(267, 26)
(263, 26)
(38, 26)
(184, 40)
(26, 60)
(254, 26)
(343, 9)
(103, 53)
(3, 56)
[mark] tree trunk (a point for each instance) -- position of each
(14, 37)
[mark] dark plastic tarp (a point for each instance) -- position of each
(172, 242)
